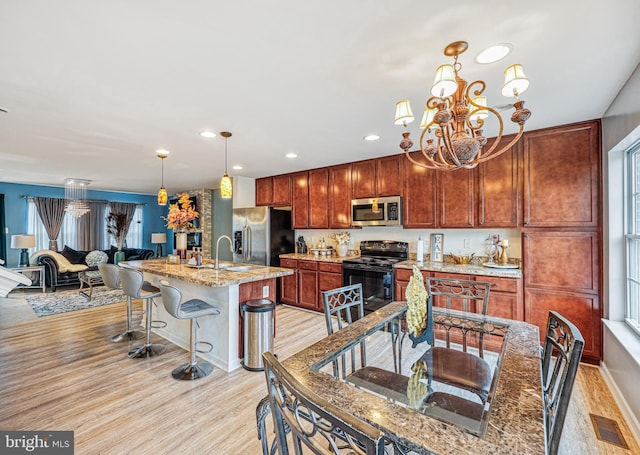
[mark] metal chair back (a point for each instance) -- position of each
(315, 424)
(342, 306)
(110, 274)
(561, 355)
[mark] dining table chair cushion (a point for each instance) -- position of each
(460, 369)
(448, 402)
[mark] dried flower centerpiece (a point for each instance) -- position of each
(117, 226)
(182, 215)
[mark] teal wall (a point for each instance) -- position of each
(15, 210)
(222, 224)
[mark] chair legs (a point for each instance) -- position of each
(194, 369)
(147, 349)
(129, 334)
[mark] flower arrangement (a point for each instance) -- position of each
(342, 238)
(182, 214)
(117, 226)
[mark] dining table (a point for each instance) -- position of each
(417, 413)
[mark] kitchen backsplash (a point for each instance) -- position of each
(455, 240)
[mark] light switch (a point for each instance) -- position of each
(265, 292)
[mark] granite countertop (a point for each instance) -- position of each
(470, 269)
(207, 275)
(313, 257)
(516, 422)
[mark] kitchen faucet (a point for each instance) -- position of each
(217, 265)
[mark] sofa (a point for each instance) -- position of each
(62, 268)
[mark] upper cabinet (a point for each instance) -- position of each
(456, 198)
(340, 197)
(310, 199)
(561, 176)
(274, 191)
(377, 178)
(419, 201)
(499, 194)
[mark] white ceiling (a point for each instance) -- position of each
(94, 88)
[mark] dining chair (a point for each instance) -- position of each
(314, 423)
(561, 353)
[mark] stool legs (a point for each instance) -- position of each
(194, 369)
(130, 334)
(147, 349)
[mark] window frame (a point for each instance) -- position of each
(632, 237)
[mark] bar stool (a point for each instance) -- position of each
(135, 287)
(191, 309)
(111, 279)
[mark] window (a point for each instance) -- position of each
(69, 229)
(632, 312)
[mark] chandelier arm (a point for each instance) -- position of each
(490, 155)
(434, 164)
(446, 138)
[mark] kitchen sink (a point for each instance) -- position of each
(238, 268)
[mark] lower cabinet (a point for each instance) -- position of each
(304, 288)
(289, 294)
(308, 285)
(329, 277)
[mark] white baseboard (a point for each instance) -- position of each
(630, 418)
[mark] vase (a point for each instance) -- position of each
(342, 249)
(181, 245)
(118, 256)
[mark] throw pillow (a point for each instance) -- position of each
(96, 257)
(74, 256)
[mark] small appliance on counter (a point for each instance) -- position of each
(374, 269)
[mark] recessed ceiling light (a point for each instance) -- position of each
(236, 167)
(371, 137)
(494, 53)
(291, 155)
(207, 134)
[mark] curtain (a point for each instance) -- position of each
(51, 211)
(91, 228)
(124, 207)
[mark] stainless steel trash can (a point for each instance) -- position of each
(257, 328)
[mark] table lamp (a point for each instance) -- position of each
(25, 242)
(159, 238)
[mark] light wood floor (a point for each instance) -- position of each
(61, 372)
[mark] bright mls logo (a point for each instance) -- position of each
(36, 442)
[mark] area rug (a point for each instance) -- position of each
(64, 301)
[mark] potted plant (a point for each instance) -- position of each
(117, 226)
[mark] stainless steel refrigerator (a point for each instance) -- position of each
(261, 234)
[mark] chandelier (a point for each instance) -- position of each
(455, 115)
(75, 192)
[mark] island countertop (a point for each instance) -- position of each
(207, 275)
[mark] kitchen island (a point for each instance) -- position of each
(225, 288)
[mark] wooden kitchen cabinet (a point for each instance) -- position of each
(340, 197)
(308, 285)
(456, 198)
(329, 277)
(498, 185)
(562, 175)
(264, 191)
(289, 294)
(300, 200)
(377, 178)
(318, 199)
(419, 200)
(505, 297)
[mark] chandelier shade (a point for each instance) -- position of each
(455, 114)
(226, 185)
(75, 193)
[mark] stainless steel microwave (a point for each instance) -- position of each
(382, 211)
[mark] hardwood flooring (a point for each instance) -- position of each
(61, 372)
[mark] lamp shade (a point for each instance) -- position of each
(444, 84)
(427, 118)
(403, 113)
(163, 197)
(158, 237)
(226, 187)
(515, 81)
(23, 241)
(476, 112)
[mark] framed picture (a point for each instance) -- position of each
(173, 259)
(437, 247)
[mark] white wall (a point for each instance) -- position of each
(620, 129)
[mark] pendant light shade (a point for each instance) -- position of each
(226, 185)
(163, 198)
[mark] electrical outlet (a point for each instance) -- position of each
(467, 243)
(265, 292)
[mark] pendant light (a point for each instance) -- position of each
(163, 198)
(226, 186)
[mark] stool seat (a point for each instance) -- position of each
(110, 274)
(135, 287)
(190, 309)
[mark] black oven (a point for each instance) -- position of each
(374, 270)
